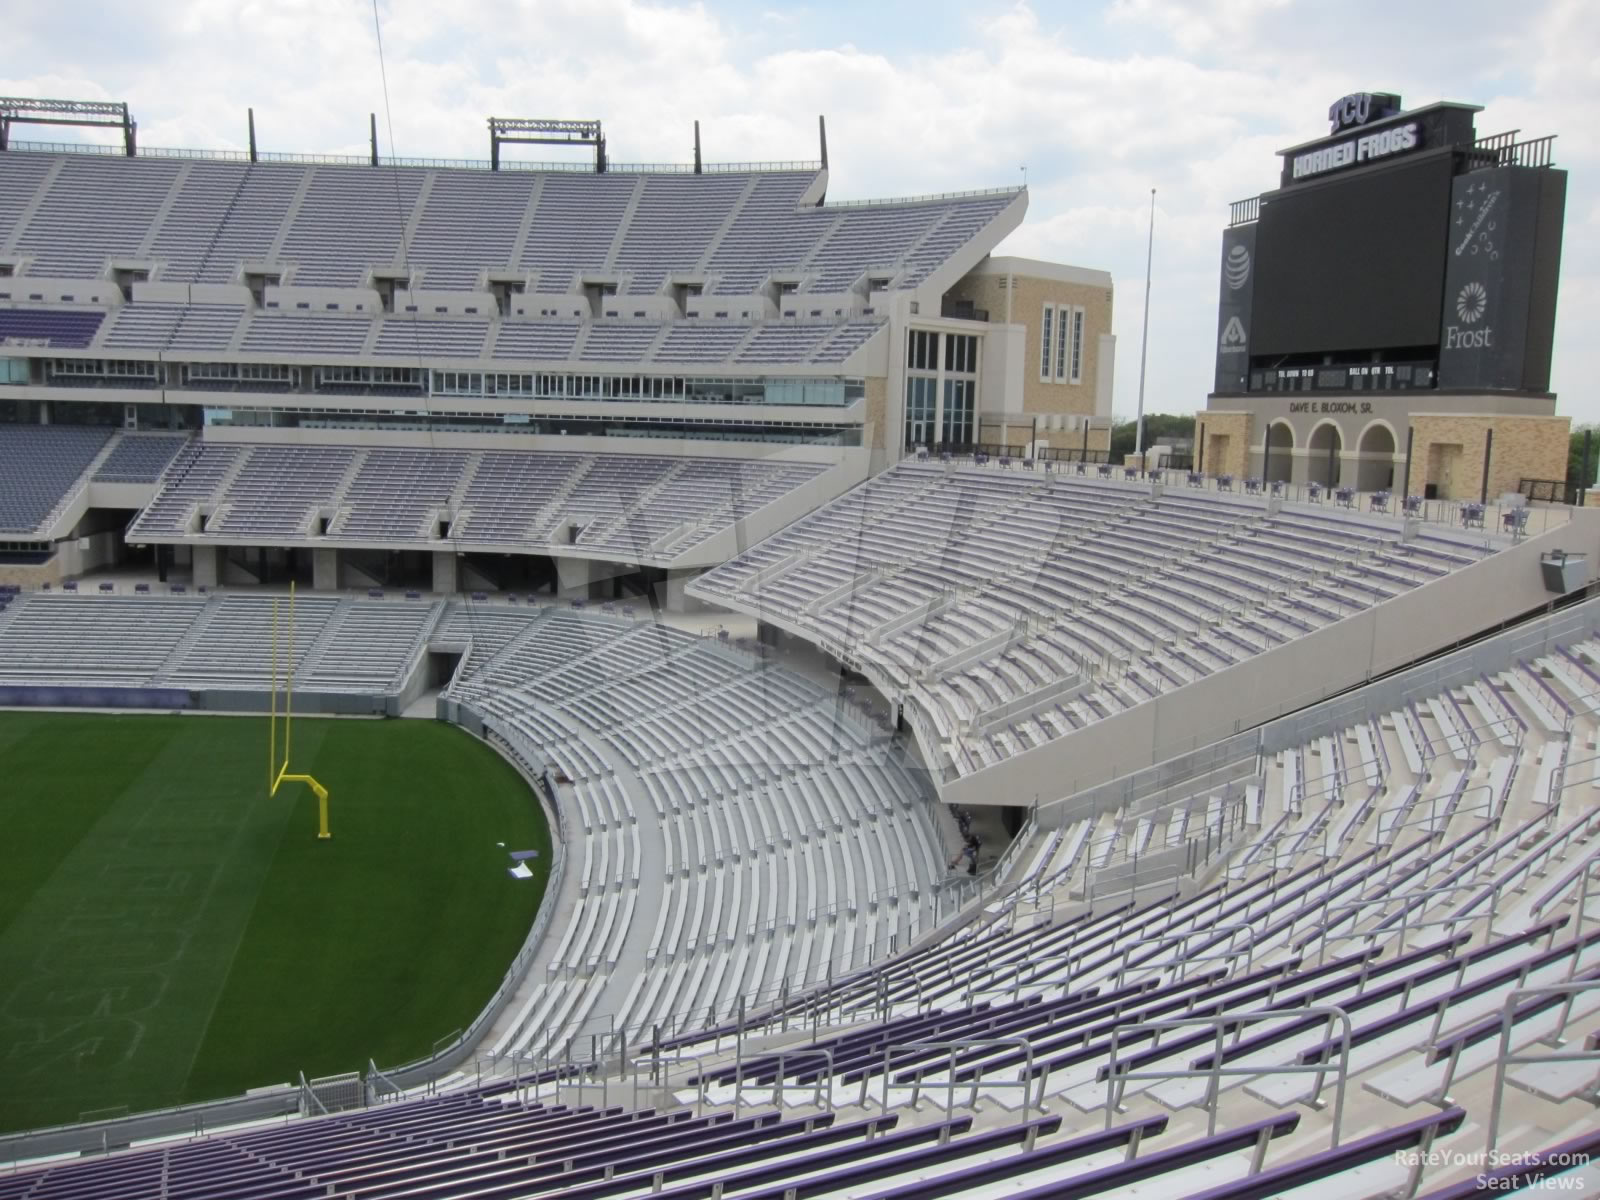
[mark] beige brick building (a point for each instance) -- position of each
(1045, 358)
(1222, 442)
(1449, 451)
(1337, 442)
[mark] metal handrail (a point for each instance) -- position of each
(778, 1085)
(1024, 1081)
(1379, 932)
(470, 164)
(1181, 940)
(374, 1073)
(1583, 899)
(931, 196)
(1526, 866)
(1429, 750)
(1490, 818)
(1117, 1077)
(308, 1097)
(1333, 780)
(1565, 766)
(1270, 845)
(515, 971)
(1492, 728)
(1506, 1058)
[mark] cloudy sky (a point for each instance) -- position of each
(1096, 102)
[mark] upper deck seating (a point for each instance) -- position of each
(94, 209)
(330, 225)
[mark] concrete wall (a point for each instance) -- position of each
(580, 578)
(120, 495)
(882, 444)
(671, 596)
(445, 577)
(325, 570)
(1000, 375)
(1211, 767)
(353, 575)
(446, 440)
(471, 580)
(1288, 677)
(76, 556)
(1072, 439)
(1105, 374)
(101, 292)
(234, 574)
(305, 703)
(206, 559)
(14, 575)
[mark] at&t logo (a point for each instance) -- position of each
(1236, 271)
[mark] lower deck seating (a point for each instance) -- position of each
(491, 1142)
(1408, 871)
(1315, 1004)
(222, 642)
(740, 836)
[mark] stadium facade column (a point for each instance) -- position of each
(444, 572)
(325, 570)
(575, 576)
(205, 566)
(671, 596)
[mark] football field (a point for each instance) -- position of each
(169, 933)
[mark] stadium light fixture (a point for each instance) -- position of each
(19, 110)
(547, 132)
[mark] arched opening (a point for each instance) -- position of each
(1375, 451)
(1278, 464)
(1324, 447)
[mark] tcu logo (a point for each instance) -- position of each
(1360, 107)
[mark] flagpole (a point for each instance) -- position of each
(1144, 340)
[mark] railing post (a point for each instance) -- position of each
(1214, 1083)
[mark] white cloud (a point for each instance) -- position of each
(1220, 25)
(1192, 97)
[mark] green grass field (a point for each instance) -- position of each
(168, 933)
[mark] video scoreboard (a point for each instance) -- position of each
(1399, 251)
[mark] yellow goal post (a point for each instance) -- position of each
(278, 772)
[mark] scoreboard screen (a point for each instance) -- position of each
(1354, 263)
